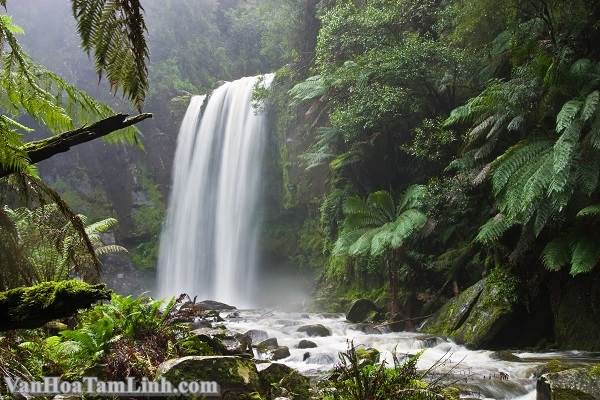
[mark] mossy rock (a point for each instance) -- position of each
(236, 376)
(477, 316)
(492, 311)
(451, 316)
(572, 384)
(276, 377)
(368, 356)
(362, 310)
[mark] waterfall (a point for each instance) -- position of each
(208, 244)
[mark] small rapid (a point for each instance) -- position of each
(480, 373)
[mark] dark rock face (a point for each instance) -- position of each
(315, 330)
(362, 310)
(215, 305)
(306, 344)
(572, 384)
(577, 315)
(235, 375)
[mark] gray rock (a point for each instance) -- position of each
(306, 344)
(362, 310)
(315, 330)
(572, 384)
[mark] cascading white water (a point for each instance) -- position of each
(208, 244)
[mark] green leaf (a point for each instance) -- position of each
(589, 211)
(557, 254)
(567, 114)
(590, 106)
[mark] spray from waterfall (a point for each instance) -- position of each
(209, 241)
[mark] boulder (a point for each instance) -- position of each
(478, 315)
(215, 305)
(362, 310)
(266, 345)
(223, 341)
(315, 330)
(276, 377)
(367, 356)
(236, 376)
(279, 353)
(257, 335)
(579, 384)
(306, 344)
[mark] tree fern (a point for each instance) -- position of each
(493, 230)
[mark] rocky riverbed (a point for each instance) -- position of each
(276, 341)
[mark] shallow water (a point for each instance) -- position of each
(476, 371)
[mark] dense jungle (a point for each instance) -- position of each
(300, 199)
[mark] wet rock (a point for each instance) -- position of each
(200, 323)
(368, 356)
(306, 344)
(579, 384)
(223, 341)
(429, 341)
(505, 356)
(235, 375)
(277, 376)
(279, 353)
(315, 330)
(257, 335)
(215, 305)
(362, 310)
(212, 315)
(233, 315)
(266, 345)
(306, 356)
(369, 329)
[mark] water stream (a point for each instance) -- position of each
(479, 373)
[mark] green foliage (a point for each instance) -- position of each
(102, 335)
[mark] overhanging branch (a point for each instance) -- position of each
(40, 150)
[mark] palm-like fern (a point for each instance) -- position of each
(375, 225)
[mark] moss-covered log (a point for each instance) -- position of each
(40, 150)
(32, 307)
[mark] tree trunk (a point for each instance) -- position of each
(393, 289)
(40, 150)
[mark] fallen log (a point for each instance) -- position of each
(32, 307)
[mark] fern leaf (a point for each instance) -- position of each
(567, 114)
(586, 253)
(557, 254)
(590, 211)
(590, 106)
(493, 230)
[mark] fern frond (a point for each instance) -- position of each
(589, 211)
(310, 89)
(590, 106)
(557, 254)
(567, 114)
(493, 230)
(586, 254)
(114, 30)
